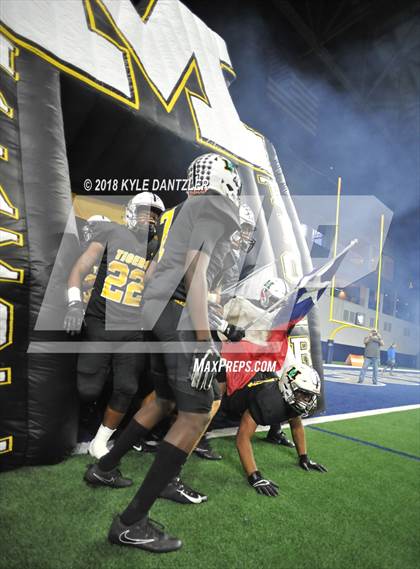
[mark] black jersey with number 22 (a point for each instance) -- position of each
(119, 284)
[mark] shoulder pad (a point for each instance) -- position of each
(102, 230)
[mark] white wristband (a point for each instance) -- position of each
(74, 294)
(223, 326)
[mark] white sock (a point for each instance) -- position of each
(97, 447)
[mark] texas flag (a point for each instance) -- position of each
(287, 312)
(296, 305)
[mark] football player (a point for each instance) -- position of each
(266, 399)
(223, 271)
(271, 292)
(175, 309)
(122, 254)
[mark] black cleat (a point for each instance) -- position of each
(177, 491)
(279, 438)
(204, 450)
(146, 446)
(144, 534)
(113, 478)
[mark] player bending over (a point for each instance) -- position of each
(267, 398)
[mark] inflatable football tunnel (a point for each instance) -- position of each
(97, 99)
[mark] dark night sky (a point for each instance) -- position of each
(365, 84)
(357, 64)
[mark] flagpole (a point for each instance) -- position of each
(337, 217)
(378, 288)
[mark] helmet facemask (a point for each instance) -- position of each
(300, 388)
(142, 219)
(142, 213)
(305, 401)
(244, 239)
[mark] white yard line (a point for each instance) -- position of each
(231, 431)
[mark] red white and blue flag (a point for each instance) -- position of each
(287, 312)
(298, 303)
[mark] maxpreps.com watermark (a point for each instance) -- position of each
(136, 185)
(235, 366)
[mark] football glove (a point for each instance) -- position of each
(262, 485)
(205, 366)
(307, 464)
(73, 319)
(233, 333)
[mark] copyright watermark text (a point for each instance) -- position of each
(135, 185)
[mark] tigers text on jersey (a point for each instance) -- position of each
(118, 287)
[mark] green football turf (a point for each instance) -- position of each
(382, 429)
(364, 513)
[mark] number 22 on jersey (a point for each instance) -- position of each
(123, 285)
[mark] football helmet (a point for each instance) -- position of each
(272, 290)
(214, 172)
(300, 386)
(244, 239)
(87, 232)
(147, 203)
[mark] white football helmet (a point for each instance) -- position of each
(87, 228)
(147, 202)
(214, 172)
(272, 290)
(300, 386)
(244, 239)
